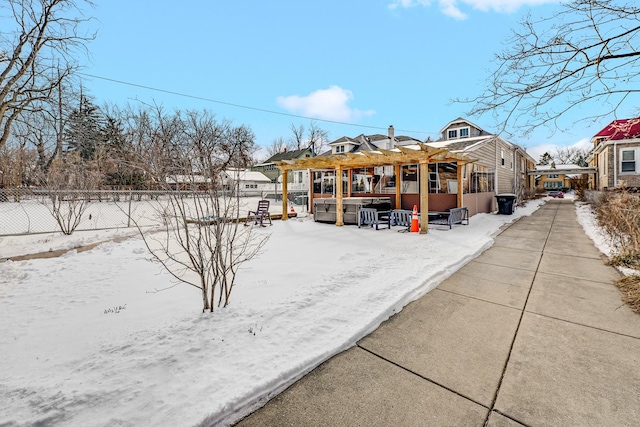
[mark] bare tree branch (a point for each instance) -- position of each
(587, 54)
(37, 54)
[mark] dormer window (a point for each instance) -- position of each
(458, 133)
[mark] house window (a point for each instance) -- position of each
(628, 161)
(464, 133)
(453, 134)
(552, 175)
(502, 157)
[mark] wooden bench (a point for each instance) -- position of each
(453, 216)
(372, 216)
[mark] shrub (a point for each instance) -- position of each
(619, 215)
(630, 287)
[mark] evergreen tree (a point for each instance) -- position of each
(85, 132)
(114, 139)
(545, 159)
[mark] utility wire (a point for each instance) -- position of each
(170, 92)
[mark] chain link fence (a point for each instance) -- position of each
(30, 211)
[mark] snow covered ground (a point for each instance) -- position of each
(104, 338)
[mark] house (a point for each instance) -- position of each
(555, 177)
(298, 182)
(616, 155)
(500, 167)
(494, 161)
(398, 178)
(193, 182)
(373, 142)
(269, 168)
(385, 166)
(246, 182)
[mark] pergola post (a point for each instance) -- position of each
(338, 187)
(460, 167)
(398, 169)
(285, 194)
(424, 196)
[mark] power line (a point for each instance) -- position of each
(170, 92)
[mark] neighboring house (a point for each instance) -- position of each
(297, 181)
(192, 182)
(550, 181)
(268, 167)
(616, 155)
(501, 165)
(246, 181)
(374, 142)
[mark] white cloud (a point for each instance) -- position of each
(505, 6)
(451, 7)
(327, 104)
(408, 3)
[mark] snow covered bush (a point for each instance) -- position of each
(201, 243)
(67, 184)
(619, 215)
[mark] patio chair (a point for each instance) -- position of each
(259, 215)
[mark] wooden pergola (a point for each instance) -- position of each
(420, 154)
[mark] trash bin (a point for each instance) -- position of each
(506, 203)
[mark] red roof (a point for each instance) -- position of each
(621, 129)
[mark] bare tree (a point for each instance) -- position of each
(201, 242)
(68, 184)
(571, 155)
(277, 146)
(297, 139)
(586, 54)
(16, 166)
(36, 54)
(42, 126)
(313, 137)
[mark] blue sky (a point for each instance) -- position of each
(361, 65)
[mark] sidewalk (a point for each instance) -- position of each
(532, 332)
